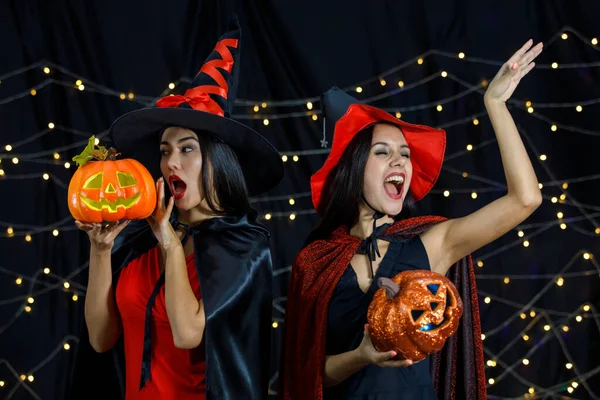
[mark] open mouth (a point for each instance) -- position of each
(178, 186)
(394, 185)
(111, 206)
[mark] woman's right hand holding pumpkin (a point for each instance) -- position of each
(369, 354)
(102, 238)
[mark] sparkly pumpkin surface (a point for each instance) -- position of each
(414, 313)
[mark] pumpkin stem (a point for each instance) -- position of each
(391, 288)
(112, 154)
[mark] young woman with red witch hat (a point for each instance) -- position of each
(377, 167)
(183, 301)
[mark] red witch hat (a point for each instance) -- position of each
(345, 116)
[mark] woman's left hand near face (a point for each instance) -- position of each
(159, 221)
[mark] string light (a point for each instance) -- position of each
(480, 263)
(292, 216)
(446, 193)
(559, 214)
(295, 158)
(461, 55)
(474, 195)
(268, 216)
(553, 128)
(51, 125)
(292, 202)
(521, 234)
(554, 65)
(560, 281)
(264, 105)
(579, 109)
(75, 297)
(46, 270)
(469, 147)
(475, 121)
(400, 84)
(526, 243)
(487, 300)
(543, 157)
(46, 177)
(67, 346)
(564, 36)
(284, 158)
(444, 74)
(309, 105)
(266, 121)
(171, 86)
(359, 89)
(525, 337)
(382, 82)
(67, 285)
(275, 324)
(55, 232)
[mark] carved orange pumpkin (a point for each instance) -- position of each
(414, 313)
(108, 189)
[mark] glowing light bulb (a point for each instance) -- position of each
(553, 128)
(559, 214)
(487, 300)
(55, 232)
(284, 158)
(292, 202)
(480, 263)
(265, 121)
(469, 147)
(461, 55)
(554, 65)
(525, 361)
(475, 121)
(359, 90)
(171, 86)
(309, 105)
(526, 243)
(401, 84)
(275, 324)
(543, 157)
(292, 216)
(474, 195)
(51, 125)
(268, 216)
(46, 177)
(446, 193)
(444, 74)
(66, 346)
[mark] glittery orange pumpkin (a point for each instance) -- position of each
(107, 189)
(414, 313)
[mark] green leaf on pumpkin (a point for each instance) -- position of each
(91, 152)
(87, 154)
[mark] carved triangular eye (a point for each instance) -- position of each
(416, 314)
(125, 179)
(434, 306)
(433, 288)
(94, 181)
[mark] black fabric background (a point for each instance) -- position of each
(295, 50)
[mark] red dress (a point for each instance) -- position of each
(174, 373)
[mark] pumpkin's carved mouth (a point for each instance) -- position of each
(111, 206)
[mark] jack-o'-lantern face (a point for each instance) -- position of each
(106, 191)
(414, 313)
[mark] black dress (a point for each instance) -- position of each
(345, 325)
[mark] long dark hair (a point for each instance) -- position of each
(224, 176)
(342, 192)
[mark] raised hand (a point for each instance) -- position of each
(102, 237)
(508, 77)
(159, 221)
(370, 355)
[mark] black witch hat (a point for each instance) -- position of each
(206, 107)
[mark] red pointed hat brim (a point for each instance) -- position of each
(427, 146)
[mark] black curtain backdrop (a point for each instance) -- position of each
(295, 51)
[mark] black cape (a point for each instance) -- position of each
(234, 267)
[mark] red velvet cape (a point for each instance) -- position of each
(457, 370)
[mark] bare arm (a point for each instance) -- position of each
(101, 314)
(340, 367)
(451, 240)
(185, 312)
